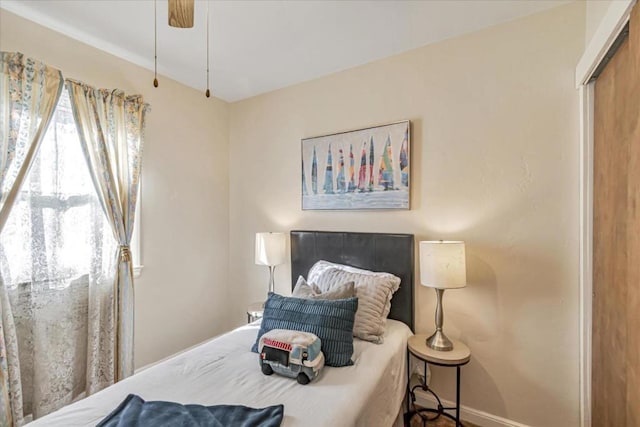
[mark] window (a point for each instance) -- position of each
(57, 222)
(58, 259)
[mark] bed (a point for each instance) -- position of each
(224, 371)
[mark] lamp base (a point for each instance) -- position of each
(439, 341)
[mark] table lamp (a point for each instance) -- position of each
(442, 266)
(271, 251)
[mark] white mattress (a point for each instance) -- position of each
(224, 371)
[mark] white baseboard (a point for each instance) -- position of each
(474, 416)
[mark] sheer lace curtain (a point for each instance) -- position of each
(29, 91)
(58, 256)
(67, 207)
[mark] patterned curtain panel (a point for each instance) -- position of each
(29, 91)
(57, 255)
(111, 127)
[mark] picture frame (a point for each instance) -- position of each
(361, 169)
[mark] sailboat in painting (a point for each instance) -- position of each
(385, 175)
(340, 184)
(352, 171)
(362, 174)
(304, 180)
(371, 161)
(404, 159)
(328, 174)
(314, 172)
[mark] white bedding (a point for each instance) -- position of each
(225, 371)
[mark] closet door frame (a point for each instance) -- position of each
(610, 27)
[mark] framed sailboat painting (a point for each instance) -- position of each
(359, 169)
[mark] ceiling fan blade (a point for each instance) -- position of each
(181, 13)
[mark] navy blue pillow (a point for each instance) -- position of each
(329, 320)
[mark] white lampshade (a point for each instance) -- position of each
(443, 264)
(271, 248)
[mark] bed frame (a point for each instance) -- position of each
(391, 253)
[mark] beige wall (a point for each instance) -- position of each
(181, 295)
(494, 162)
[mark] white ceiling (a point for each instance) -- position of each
(259, 46)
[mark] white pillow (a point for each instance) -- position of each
(374, 291)
(311, 291)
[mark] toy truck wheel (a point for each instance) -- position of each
(266, 369)
(303, 379)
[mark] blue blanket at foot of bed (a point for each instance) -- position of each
(134, 411)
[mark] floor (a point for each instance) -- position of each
(439, 422)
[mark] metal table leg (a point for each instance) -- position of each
(440, 410)
(457, 396)
(408, 382)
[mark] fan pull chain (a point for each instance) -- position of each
(207, 93)
(155, 43)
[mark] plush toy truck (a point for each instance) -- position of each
(293, 354)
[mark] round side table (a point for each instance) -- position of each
(459, 356)
(254, 311)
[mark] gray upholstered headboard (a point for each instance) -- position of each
(391, 253)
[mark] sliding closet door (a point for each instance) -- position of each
(616, 235)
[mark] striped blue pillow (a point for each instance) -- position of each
(329, 320)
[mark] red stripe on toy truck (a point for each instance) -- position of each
(277, 344)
